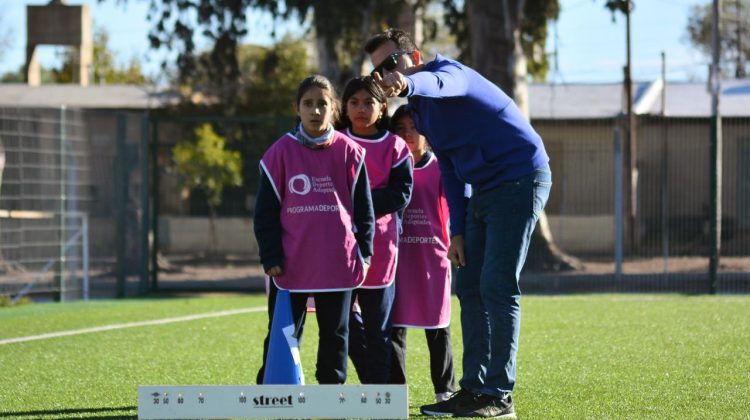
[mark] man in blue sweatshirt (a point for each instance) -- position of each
(480, 138)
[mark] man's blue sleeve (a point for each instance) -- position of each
(448, 81)
(454, 193)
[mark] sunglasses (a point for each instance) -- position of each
(389, 63)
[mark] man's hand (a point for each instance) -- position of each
(392, 84)
(275, 271)
(456, 251)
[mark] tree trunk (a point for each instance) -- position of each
(328, 58)
(495, 31)
(327, 41)
(358, 60)
(544, 255)
(411, 19)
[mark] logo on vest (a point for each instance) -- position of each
(300, 184)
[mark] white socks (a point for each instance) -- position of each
(442, 396)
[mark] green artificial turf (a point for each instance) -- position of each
(585, 356)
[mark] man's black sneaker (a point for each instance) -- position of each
(487, 406)
(448, 407)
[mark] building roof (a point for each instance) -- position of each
(584, 101)
(75, 96)
(546, 101)
(694, 99)
(562, 101)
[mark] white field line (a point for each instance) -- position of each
(645, 297)
(131, 325)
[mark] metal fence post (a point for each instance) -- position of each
(715, 200)
(618, 204)
(143, 285)
(59, 294)
(120, 203)
(85, 254)
(71, 202)
(155, 204)
(715, 154)
(664, 192)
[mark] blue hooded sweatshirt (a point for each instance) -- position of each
(476, 131)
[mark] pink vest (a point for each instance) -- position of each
(423, 286)
(315, 188)
(383, 154)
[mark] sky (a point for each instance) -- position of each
(590, 47)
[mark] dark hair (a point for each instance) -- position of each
(368, 84)
(324, 84)
(401, 38)
(401, 112)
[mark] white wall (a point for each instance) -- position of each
(590, 234)
(191, 234)
(594, 234)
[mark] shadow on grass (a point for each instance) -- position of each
(104, 413)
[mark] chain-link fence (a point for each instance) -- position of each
(219, 250)
(668, 247)
(74, 210)
(70, 201)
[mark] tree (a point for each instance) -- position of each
(340, 55)
(105, 69)
(268, 80)
(339, 28)
(504, 36)
(272, 76)
(6, 33)
(495, 28)
(495, 34)
(733, 28)
(222, 21)
(204, 163)
(265, 93)
(532, 35)
(534, 29)
(18, 76)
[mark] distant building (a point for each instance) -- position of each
(577, 123)
(58, 23)
(575, 120)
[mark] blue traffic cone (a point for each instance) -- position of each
(283, 364)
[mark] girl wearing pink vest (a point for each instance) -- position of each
(389, 169)
(314, 223)
(423, 277)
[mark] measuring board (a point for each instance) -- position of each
(273, 401)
